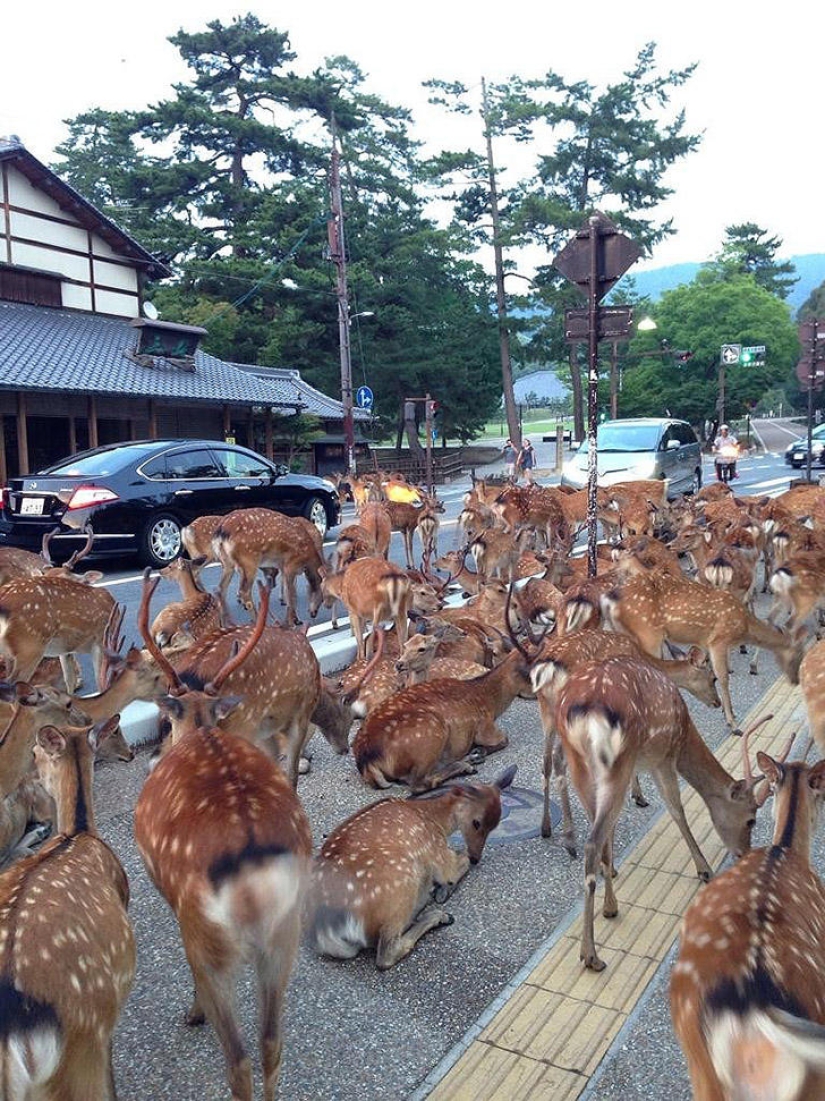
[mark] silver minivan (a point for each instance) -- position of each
(641, 447)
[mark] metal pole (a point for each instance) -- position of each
(428, 428)
(592, 393)
(339, 256)
(721, 401)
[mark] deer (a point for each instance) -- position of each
(653, 610)
(24, 709)
(249, 539)
(374, 517)
(271, 673)
(16, 562)
(189, 619)
(747, 991)
(558, 656)
(373, 590)
(798, 588)
(422, 735)
(454, 563)
(812, 683)
(495, 554)
(354, 541)
(52, 616)
(69, 952)
(226, 842)
(197, 539)
(29, 804)
(420, 661)
(427, 526)
(377, 873)
(615, 717)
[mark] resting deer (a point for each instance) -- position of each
(747, 992)
(69, 956)
(198, 613)
(617, 717)
(28, 805)
(24, 709)
(656, 609)
(226, 842)
(422, 735)
(377, 872)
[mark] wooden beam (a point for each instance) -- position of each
(22, 434)
(72, 436)
(153, 420)
(227, 422)
(93, 438)
(250, 430)
(269, 444)
(3, 470)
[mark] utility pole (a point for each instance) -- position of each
(338, 255)
(513, 424)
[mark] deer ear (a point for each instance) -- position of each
(506, 778)
(51, 741)
(774, 772)
(102, 731)
(224, 706)
(816, 777)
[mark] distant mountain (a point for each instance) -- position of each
(810, 269)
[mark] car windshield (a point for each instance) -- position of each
(98, 464)
(626, 437)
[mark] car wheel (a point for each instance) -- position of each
(316, 512)
(695, 482)
(796, 466)
(160, 541)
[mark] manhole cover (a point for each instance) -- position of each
(521, 811)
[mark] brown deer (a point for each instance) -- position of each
(812, 683)
(454, 564)
(354, 541)
(747, 992)
(227, 843)
(495, 554)
(250, 539)
(183, 622)
(16, 562)
(798, 588)
(372, 590)
(28, 805)
(271, 673)
(561, 655)
(52, 616)
(197, 539)
(619, 716)
(69, 953)
(24, 709)
(374, 517)
(427, 526)
(422, 735)
(377, 872)
(655, 609)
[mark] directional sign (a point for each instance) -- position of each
(613, 322)
(364, 397)
(730, 353)
(615, 254)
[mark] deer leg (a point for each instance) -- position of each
(273, 968)
(492, 739)
(610, 907)
(718, 654)
(69, 673)
(560, 772)
(214, 992)
(667, 782)
(85, 1071)
(636, 792)
(394, 947)
(435, 779)
(448, 874)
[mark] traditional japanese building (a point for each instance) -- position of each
(81, 363)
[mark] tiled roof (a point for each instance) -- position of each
(42, 177)
(289, 382)
(62, 350)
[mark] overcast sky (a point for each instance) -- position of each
(757, 94)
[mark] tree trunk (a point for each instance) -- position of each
(416, 450)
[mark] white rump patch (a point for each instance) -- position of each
(342, 937)
(781, 1056)
(40, 1050)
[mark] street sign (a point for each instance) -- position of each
(616, 253)
(804, 370)
(729, 356)
(613, 324)
(364, 397)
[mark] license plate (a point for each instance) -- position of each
(32, 506)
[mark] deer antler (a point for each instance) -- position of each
(44, 549)
(112, 642)
(238, 659)
(84, 550)
(176, 686)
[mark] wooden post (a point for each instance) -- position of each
(153, 420)
(22, 435)
(250, 431)
(72, 436)
(3, 469)
(268, 429)
(93, 439)
(227, 422)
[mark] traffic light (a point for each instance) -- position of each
(682, 356)
(433, 409)
(753, 356)
(745, 357)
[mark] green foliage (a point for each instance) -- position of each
(747, 250)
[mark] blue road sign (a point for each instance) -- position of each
(364, 397)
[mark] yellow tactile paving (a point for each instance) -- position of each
(553, 1031)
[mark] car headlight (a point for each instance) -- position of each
(817, 448)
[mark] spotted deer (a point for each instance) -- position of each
(377, 873)
(29, 805)
(372, 590)
(16, 562)
(24, 709)
(655, 609)
(558, 657)
(67, 959)
(183, 622)
(250, 539)
(374, 518)
(226, 842)
(197, 538)
(747, 991)
(617, 717)
(422, 735)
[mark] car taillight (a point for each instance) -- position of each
(4, 498)
(91, 495)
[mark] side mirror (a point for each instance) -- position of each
(673, 445)
(280, 470)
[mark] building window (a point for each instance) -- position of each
(33, 287)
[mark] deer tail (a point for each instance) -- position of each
(337, 932)
(31, 1042)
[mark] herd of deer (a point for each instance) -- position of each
(224, 836)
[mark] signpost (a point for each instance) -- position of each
(364, 398)
(811, 369)
(595, 259)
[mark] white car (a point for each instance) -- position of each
(642, 447)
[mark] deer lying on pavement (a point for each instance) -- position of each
(422, 735)
(747, 992)
(655, 609)
(614, 718)
(378, 871)
(227, 843)
(29, 805)
(69, 957)
(183, 622)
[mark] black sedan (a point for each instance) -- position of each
(136, 497)
(796, 453)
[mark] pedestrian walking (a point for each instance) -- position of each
(527, 461)
(509, 454)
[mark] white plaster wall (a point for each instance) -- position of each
(50, 233)
(122, 305)
(76, 298)
(41, 256)
(115, 275)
